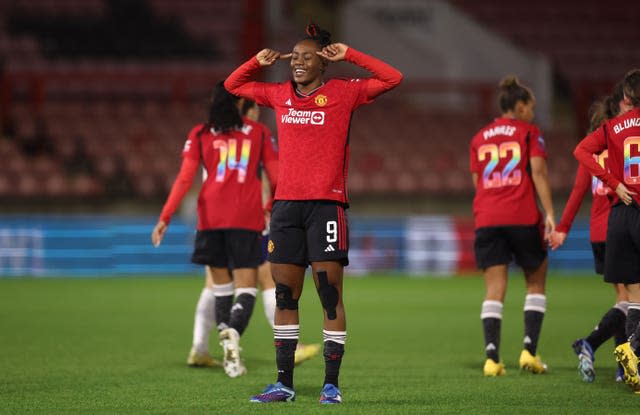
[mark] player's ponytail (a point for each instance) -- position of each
(223, 111)
(512, 91)
(631, 87)
(612, 103)
(317, 34)
(598, 114)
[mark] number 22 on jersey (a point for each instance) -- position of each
(229, 158)
(509, 176)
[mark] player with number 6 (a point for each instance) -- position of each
(621, 137)
(508, 167)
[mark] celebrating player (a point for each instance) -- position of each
(230, 221)
(304, 352)
(621, 137)
(507, 160)
(308, 222)
(612, 324)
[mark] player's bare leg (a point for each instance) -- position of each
(495, 278)
(535, 306)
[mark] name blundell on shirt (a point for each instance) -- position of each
(631, 122)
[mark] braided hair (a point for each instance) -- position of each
(318, 35)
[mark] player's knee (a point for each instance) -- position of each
(329, 295)
(284, 298)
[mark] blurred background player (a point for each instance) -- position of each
(621, 137)
(612, 324)
(267, 285)
(308, 223)
(508, 167)
(230, 221)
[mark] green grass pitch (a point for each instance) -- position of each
(414, 347)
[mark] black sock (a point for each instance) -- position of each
(606, 328)
(633, 326)
(633, 319)
(241, 312)
(491, 328)
(285, 356)
(223, 311)
(532, 327)
(333, 353)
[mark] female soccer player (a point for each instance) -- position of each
(621, 137)
(304, 352)
(508, 168)
(308, 222)
(612, 324)
(230, 221)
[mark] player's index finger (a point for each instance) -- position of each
(285, 56)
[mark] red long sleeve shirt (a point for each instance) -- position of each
(600, 205)
(231, 195)
(621, 136)
(313, 130)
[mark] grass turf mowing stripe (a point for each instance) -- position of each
(414, 346)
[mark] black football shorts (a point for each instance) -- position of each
(228, 248)
(499, 245)
(305, 231)
(622, 258)
(599, 249)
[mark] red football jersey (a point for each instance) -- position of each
(313, 130)
(499, 154)
(231, 194)
(621, 136)
(600, 205)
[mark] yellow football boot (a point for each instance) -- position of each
(491, 368)
(532, 363)
(201, 359)
(306, 352)
(629, 362)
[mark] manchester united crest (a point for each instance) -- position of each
(270, 246)
(321, 100)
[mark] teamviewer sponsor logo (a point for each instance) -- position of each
(294, 116)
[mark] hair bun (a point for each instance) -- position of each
(509, 82)
(318, 34)
(312, 30)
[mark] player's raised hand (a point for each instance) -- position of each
(267, 57)
(334, 52)
(158, 233)
(556, 239)
(625, 194)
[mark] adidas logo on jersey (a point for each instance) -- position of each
(288, 102)
(329, 248)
